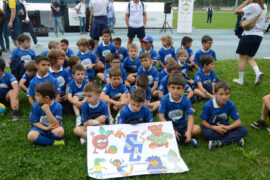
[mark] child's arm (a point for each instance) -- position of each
(57, 97)
(161, 117)
(197, 66)
(189, 128)
(50, 116)
(160, 94)
(237, 123)
(44, 128)
(218, 129)
(31, 100)
(201, 88)
(96, 122)
(190, 94)
(154, 87)
(107, 99)
(124, 98)
(162, 65)
(213, 87)
(21, 84)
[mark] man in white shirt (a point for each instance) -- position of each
(135, 20)
(98, 18)
(80, 9)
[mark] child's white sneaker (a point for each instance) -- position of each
(83, 140)
(78, 120)
(116, 118)
(259, 78)
(238, 81)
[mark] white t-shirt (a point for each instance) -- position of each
(99, 7)
(25, 6)
(136, 14)
(250, 11)
(81, 8)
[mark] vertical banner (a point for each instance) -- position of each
(185, 13)
(129, 150)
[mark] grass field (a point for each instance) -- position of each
(22, 160)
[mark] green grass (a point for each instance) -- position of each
(22, 160)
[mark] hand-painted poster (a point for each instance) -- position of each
(129, 150)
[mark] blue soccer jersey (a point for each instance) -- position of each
(205, 78)
(184, 68)
(152, 74)
(213, 114)
(123, 74)
(115, 93)
(163, 86)
(189, 51)
(44, 53)
(89, 111)
(164, 54)
(27, 79)
(69, 52)
(76, 89)
(127, 116)
(22, 55)
(175, 111)
(102, 50)
(69, 73)
(123, 53)
(131, 66)
(153, 54)
(62, 79)
(200, 53)
(88, 59)
(162, 74)
(37, 80)
(148, 92)
(37, 115)
(6, 82)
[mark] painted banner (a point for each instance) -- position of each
(129, 150)
(185, 13)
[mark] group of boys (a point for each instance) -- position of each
(58, 82)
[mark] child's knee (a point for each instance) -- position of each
(196, 130)
(77, 130)
(243, 131)
(58, 131)
(266, 98)
(32, 135)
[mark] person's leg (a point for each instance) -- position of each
(58, 133)
(207, 18)
(210, 19)
(38, 139)
(60, 25)
(113, 23)
(12, 97)
(255, 67)
(109, 23)
(241, 69)
(5, 30)
(81, 24)
(29, 27)
(195, 130)
(84, 24)
(265, 107)
(268, 28)
(234, 135)
(130, 35)
(80, 131)
(55, 26)
(1, 38)
(14, 31)
(211, 134)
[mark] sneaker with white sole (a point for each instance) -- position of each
(259, 124)
(259, 79)
(83, 140)
(268, 129)
(238, 81)
(111, 120)
(116, 118)
(214, 144)
(194, 143)
(241, 142)
(38, 45)
(78, 120)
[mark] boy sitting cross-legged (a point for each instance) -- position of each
(46, 117)
(94, 111)
(173, 107)
(215, 119)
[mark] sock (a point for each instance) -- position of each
(256, 70)
(43, 141)
(241, 76)
(57, 137)
(78, 116)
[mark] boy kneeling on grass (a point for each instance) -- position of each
(94, 111)
(46, 117)
(173, 107)
(215, 119)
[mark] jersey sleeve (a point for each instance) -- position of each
(122, 117)
(161, 87)
(214, 56)
(93, 58)
(148, 94)
(214, 77)
(154, 56)
(57, 88)
(197, 77)
(233, 112)
(12, 79)
(106, 89)
(12, 4)
(249, 9)
(188, 107)
(124, 89)
(155, 76)
(98, 51)
(105, 111)
(107, 75)
(149, 117)
(58, 114)
(31, 89)
(162, 107)
(34, 116)
(205, 115)
(84, 112)
(70, 89)
(196, 58)
(13, 55)
(124, 74)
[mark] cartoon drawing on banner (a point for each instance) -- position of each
(101, 141)
(119, 164)
(133, 147)
(158, 138)
(112, 149)
(173, 158)
(119, 134)
(98, 167)
(155, 165)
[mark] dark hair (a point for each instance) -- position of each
(115, 56)
(91, 43)
(138, 95)
(108, 58)
(23, 38)
(73, 60)
(40, 58)
(173, 66)
(206, 60)
(144, 55)
(77, 67)
(206, 38)
(46, 89)
(117, 40)
(260, 2)
(92, 87)
(185, 40)
(106, 31)
(64, 41)
(2, 64)
(115, 72)
(221, 85)
(30, 66)
(177, 79)
(142, 81)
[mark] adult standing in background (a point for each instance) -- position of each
(209, 12)
(111, 16)
(12, 17)
(4, 30)
(55, 15)
(81, 9)
(251, 39)
(98, 18)
(135, 20)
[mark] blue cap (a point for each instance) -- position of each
(148, 39)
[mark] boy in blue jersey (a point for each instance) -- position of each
(51, 45)
(75, 90)
(46, 117)
(94, 111)
(215, 119)
(186, 44)
(150, 71)
(9, 90)
(163, 72)
(73, 60)
(174, 106)
(88, 59)
(115, 94)
(28, 75)
(68, 52)
(21, 56)
(135, 112)
(142, 82)
(42, 65)
(122, 51)
(105, 47)
(132, 63)
(182, 61)
(205, 78)
(148, 48)
(205, 50)
(167, 51)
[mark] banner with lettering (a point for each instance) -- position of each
(185, 13)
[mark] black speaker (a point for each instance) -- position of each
(34, 16)
(167, 7)
(41, 31)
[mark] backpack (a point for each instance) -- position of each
(129, 8)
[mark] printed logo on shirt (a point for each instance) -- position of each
(3, 86)
(207, 82)
(175, 114)
(105, 52)
(86, 62)
(26, 58)
(61, 81)
(167, 56)
(80, 95)
(184, 71)
(44, 120)
(151, 79)
(116, 95)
